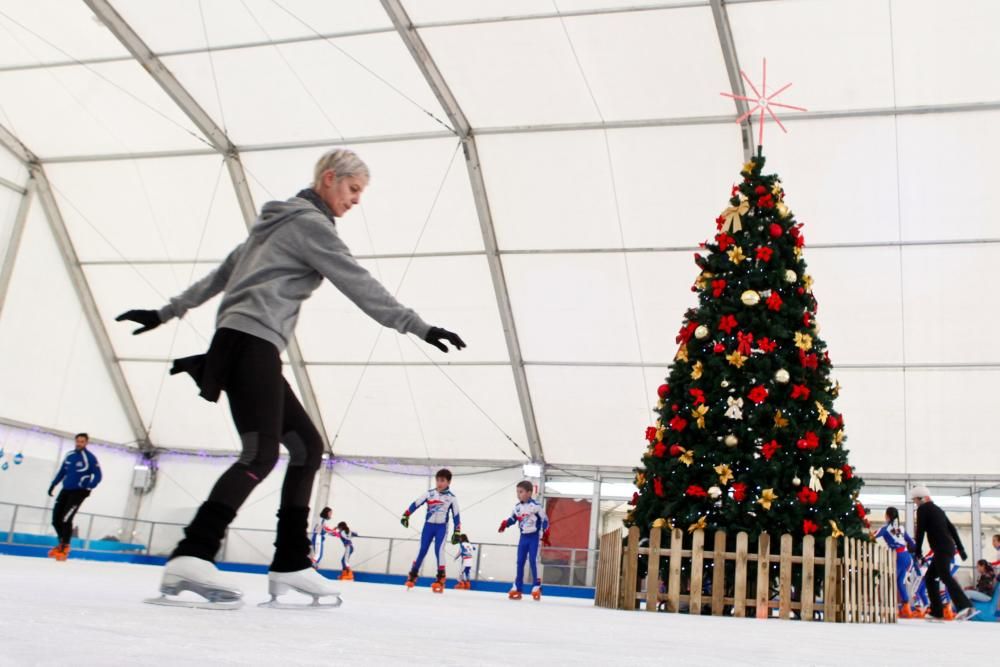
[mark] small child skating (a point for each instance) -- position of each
(319, 533)
(346, 537)
(900, 542)
(467, 552)
(530, 516)
(440, 502)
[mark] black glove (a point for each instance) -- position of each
(437, 334)
(456, 537)
(962, 554)
(51, 488)
(405, 521)
(149, 319)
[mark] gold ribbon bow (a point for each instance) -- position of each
(699, 415)
(732, 215)
(815, 475)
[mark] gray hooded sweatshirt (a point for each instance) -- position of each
(291, 247)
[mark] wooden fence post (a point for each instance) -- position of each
(697, 570)
(719, 574)
(674, 583)
(740, 590)
(808, 596)
(631, 571)
(832, 583)
(785, 588)
(763, 575)
(653, 570)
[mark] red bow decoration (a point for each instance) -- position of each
(808, 527)
(758, 394)
(744, 342)
(739, 491)
(686, 332)
(809, 360)
(769, 448)
(727, 323)
(800, 391)
(699, 396)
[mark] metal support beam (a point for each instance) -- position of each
(977, 524)
(14, 242)
(723, 28)
(89, 306)
(11, 185)
(437, 83)
(220, 141)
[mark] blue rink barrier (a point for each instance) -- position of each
(50, 541)
(581, 592)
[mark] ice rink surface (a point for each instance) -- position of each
(89, 613)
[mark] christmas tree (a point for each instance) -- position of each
(748, 438)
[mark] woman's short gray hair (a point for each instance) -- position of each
(343, 162)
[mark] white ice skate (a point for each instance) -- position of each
(186, 573)
(966, 614)
(308, 582)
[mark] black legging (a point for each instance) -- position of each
(266, 412)
(64, 511)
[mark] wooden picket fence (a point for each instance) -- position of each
(852, 581)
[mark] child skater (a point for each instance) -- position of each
(319, 533)
(530, 516)
(467, 552)
(346, 537)
(898, 540)
(440, 501)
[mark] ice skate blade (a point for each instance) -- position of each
(165, 601)
(274, 603)
(962, 616)
(176, 586)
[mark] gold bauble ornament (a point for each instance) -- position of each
(781, 376)
(790, 276)
(750, 298)
(701, 332)
(731, 440)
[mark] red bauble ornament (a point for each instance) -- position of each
(809, 441)
(775, 230)
(833, 422)
(663, 390)
(767, 201)
(719, 348)
(808, 527)
(659, 450)
(676, 450)
(760, 190)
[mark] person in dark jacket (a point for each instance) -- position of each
(985, 583)
(80, 474)
(291, 248)
(945, 542)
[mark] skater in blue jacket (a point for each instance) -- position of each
(534, 525)
(80, 474)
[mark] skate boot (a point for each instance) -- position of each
(536, 592)
(949, 613)
(966, 614)
(187, 573)
(514, 594)
(55, 551)
(63, 553)
(308, 582)
(411, 579)
(438, 584)
(905, 611)
(347, 574)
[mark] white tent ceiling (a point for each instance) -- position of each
(541, 173)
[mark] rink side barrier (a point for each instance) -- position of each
(552, 590)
